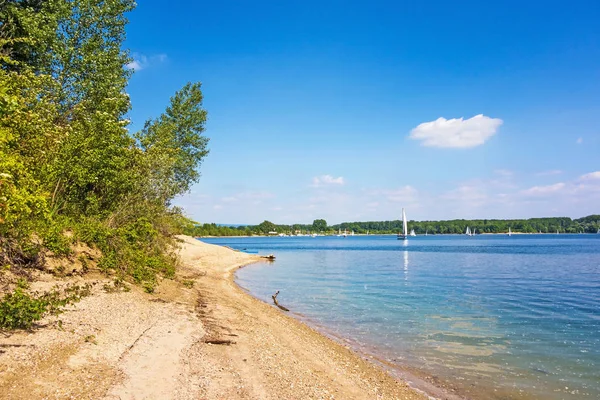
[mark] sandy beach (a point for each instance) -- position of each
(197, 337)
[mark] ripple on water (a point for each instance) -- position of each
(503, 318)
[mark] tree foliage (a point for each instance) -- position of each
(68, 162)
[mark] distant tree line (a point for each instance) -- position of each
(589, 224)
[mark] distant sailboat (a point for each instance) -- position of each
(474, 230)
(425, 232)
(468, 231)
(509, 232)
(404, 234)
(412, 232)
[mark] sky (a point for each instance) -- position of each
(352, 110)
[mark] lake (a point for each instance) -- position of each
(492, 316)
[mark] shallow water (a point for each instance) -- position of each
(500, 317)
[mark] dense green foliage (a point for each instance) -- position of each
(589, 224)
(70, 170)
(20, 309)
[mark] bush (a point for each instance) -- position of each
(19, 309)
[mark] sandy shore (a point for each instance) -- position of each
(207, 341)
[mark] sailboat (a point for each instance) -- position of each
(425, 232)
(404, 234)
(468, 231)
(412, 232)
(509, 232)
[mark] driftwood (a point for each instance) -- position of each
(219, 341)
(276, 303)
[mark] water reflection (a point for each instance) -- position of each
(405, 265)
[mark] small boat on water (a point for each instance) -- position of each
(412, 232)
(404, 234)
(468, 231)
(509, 232)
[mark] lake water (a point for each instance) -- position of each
(498, 317)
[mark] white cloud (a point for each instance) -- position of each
(135, 65)
(591, 176)
(403, 194)
(255, 197)
(141, 61)
(504, 172)
(456, 132)
(466, 193)
(579, 140)
(551, 172)
(544, 190)
(327, 180)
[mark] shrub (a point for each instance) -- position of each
(19, 309)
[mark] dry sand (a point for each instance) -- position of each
(132, 345)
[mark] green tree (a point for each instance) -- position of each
(266, 226)
(174, 146)
(319, 225)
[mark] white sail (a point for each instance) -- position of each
(412, 232)
(404, 224)
(509, 232)
(468, 231)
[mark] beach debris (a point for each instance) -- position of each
(276, 303)
(219, 341)
(269, 257)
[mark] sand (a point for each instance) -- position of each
(208, 341)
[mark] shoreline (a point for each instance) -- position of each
(395, 234)
(415, 378)
(198, 336)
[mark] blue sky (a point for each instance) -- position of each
(351, 110)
